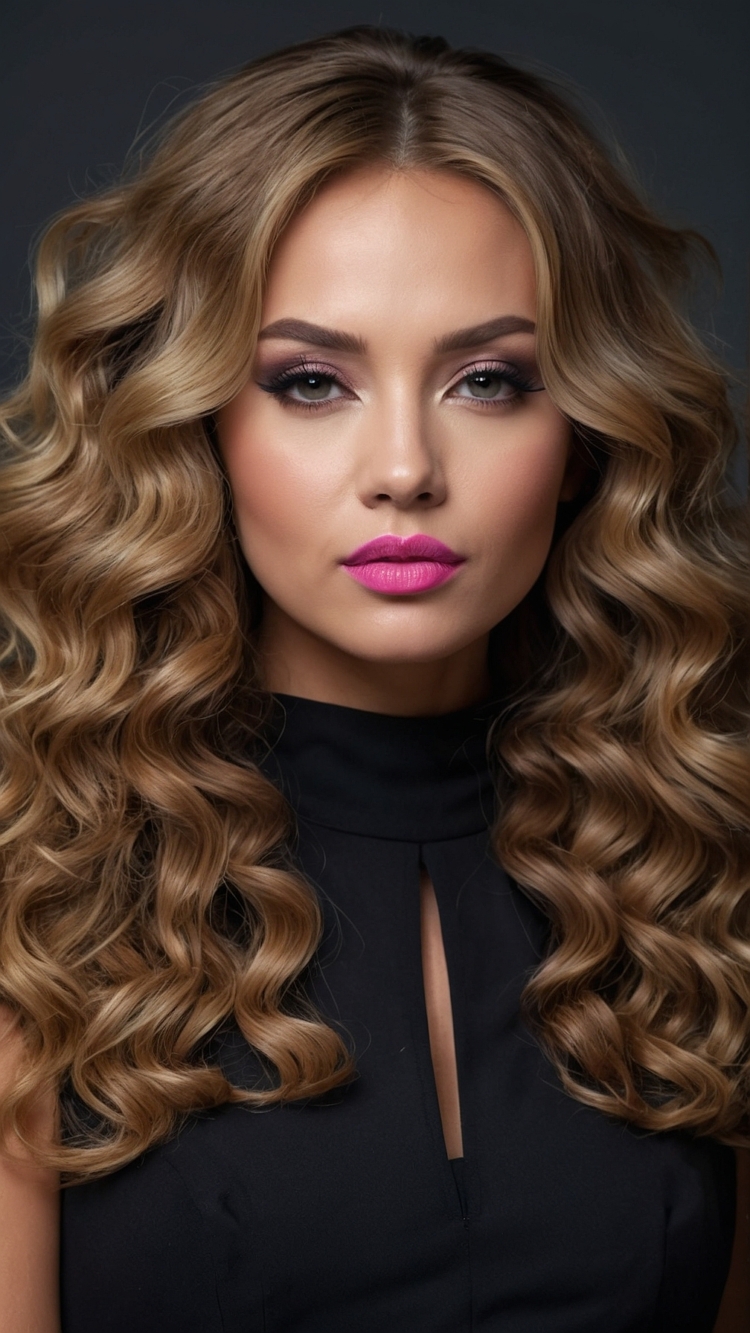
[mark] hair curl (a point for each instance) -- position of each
(131, 800)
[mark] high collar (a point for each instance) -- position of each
(415, 779)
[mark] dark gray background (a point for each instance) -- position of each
(667, 79)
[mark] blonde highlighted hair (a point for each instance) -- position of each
(132, 808)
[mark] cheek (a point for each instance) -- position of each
(276, 493)
(264, 498)
(526, 489)
(517, 507)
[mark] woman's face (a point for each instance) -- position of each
(395, 395)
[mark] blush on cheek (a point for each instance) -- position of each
(522, 522)
(260, 491)
(527, 503)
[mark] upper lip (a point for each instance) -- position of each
(417, 547)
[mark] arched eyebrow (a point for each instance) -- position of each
(299, 330)
(484, 333)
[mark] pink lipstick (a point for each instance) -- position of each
(400, 565)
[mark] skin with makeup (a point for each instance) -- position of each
(395, 462)
(396, 466)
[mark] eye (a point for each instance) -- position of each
(305, 386)
(485, 384)
(312, 388)
(492, 384)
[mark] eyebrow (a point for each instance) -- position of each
(299, 330)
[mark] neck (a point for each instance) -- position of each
(295, 661)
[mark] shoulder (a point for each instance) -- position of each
(43, 1122)
(29, 1209)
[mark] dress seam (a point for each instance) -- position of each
(206, 1229)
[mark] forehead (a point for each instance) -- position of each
(380, 242)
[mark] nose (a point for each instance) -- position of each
(400, 462)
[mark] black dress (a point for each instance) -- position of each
(344, 1215)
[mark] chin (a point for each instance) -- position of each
(400, 648)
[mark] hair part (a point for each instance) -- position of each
(132, 803)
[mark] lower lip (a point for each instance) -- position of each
(398, 577)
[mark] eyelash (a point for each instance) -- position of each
(286, 379)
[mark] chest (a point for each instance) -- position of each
(348, 1213)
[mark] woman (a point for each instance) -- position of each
(362, 437)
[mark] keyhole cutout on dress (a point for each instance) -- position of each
(440, 1016)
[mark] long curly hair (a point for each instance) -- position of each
(132, 806)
